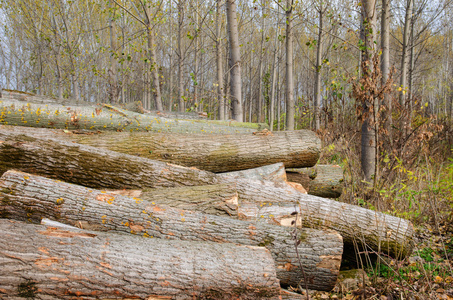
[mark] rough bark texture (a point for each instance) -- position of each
(235, 61)
(290, 103)
(98, 168)
(275, 173)
(368, 138)
(38, 99)
(29, 197)
(218, 199)
(103, 117)
(219, 153)
(91, 166)
(379, 232)
(323, 180)
(42, 262)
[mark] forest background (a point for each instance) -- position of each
(365, 75)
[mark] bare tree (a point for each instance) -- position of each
(290, 103)
(235, 61)
(368, 140)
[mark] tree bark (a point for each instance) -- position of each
(42, 261)
(99, 168)
(368, 137)
(404, 54)
(215, 153)
(290, 103)
(218, 199)
(275, 173)
(30, 197)
(322, 180)
(181, 57)
(219, 59)
(318, 83)
(91, 166)
(235, 59)
(106, 118)
(385, 62)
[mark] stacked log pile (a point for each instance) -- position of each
(175, 215)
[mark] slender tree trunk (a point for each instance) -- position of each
(368, 139)
(219, 58)
(261, 66)
(170, 71)
(385, 60)
(411, 63)
(113, 75)
(290, 110)
(404, 63)
(273, 88)
(196, 62)
(319, 49)
(152, 62)
(181, 104)
(235, 61)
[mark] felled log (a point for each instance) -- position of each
(92, 167)
(321, 180)
(30, 197)
(274, 172)
(218, 199)
(42, 262)
(185, 117)
(219, 153)
(6, 94)
(99, 168)
(105, 117)
(216, 153)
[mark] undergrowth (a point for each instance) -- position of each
(415, 182)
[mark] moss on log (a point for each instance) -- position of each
(90, 117)
(215, 153)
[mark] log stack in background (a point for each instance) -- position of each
(156, 182)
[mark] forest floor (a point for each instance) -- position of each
(426, 274)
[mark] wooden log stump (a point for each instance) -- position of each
(321, 180)
(43, 262)
(30, 197)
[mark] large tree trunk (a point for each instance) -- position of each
(99, 168)
(39, 262)
(219, 153)
(29, 197)
(106, 117)
(321, 180)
